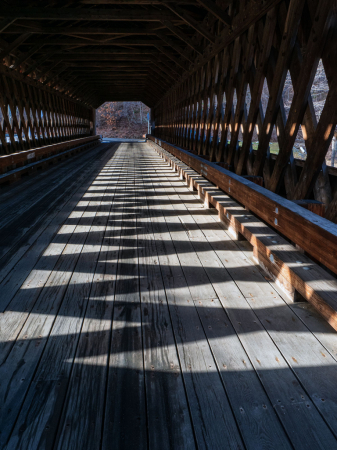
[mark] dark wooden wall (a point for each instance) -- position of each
(199, 113)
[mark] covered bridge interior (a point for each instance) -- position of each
(177, 292)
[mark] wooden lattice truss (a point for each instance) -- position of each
(33, 117)
(292, 37)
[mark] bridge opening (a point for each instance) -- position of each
(123, 120)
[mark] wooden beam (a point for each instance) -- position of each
(14, 45)
(118, 43)
(130, 14)
(256, 91)
(289, 219)
(173, 45)
(24, 56)
(171, 56)
(134, 2)
(190, 21)
(110, 70)
(98, 57)
(181, 35)
(88, 51)
(38, 63)
(321, 143)
(287, 45)
(89, 30)
(218, 12)
(5, 23)
(302, 88)
(54, 75)
(21, 158)
(170, 70)
(255, 10)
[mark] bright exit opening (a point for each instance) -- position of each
(123, 120)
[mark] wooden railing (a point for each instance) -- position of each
(315, 235)
(20, 159)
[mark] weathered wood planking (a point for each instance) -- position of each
(37, 201)
(258, 423)
(210, 409)
(144, 325)
(22, 287)
(125, 398)
(288, 333)
(169, 423)
(54, 322)
(90, 366)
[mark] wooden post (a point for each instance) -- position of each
(333, 153)
(93, 122)
(153, 122)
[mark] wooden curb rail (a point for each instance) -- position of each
(15, 160)
(314, 234)
(291, 269)
(15, 165)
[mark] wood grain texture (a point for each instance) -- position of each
(139, 322)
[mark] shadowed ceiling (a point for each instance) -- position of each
(111, 50)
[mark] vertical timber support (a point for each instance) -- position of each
(94, 122)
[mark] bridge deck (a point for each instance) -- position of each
(131, 319)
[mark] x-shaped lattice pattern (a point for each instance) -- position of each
(33, 117)
(222, 102)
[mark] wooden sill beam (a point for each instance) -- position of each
(315, 235)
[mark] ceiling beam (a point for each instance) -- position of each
(91, 57)
(181, 35)
(94, 42)
(5, 23)
(218, 12)
(24, 56)
(74, 30)
(106, 70)
(112, 51)
(134, 2)
(173, 45)
(54, 75)
(171, 56)
(134, 14)
(14, 45)
(37, 64)
(190, 21)
(255, 10)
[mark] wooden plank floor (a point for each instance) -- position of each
(130, 319)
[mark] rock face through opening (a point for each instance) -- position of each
(123, 120)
